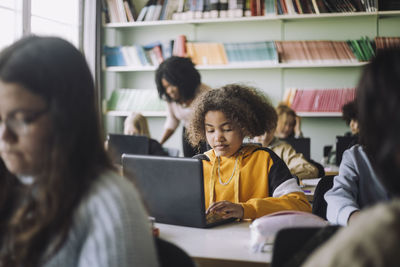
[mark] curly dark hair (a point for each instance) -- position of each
(242, 105)
(378, 98)
(349, 111)
(180, 72)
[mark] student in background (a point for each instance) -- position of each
(296, 162)
(349, 115)
(241, 181)
(136, 124)
(179, 83)
(289, 124)
(349, 112)
(373, 239)
(61, 202)
(354, 188)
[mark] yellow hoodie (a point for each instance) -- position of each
(254, 177)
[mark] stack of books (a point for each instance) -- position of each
(135, 100)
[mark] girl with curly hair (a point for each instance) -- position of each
(241, 181)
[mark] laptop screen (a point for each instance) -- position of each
(171, 188)
(119, 144)
(301, 145)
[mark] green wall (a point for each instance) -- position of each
(322, 130)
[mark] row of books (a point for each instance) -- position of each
(215, 53)
(322, 6)
(225, 53)
(119, 11)
(125, 11)
(135, 100)
(200, 53)
(387, 42)
(318, 100)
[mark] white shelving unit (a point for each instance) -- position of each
(246, 65)
(271, 78)
(247, 19)
(125, 113)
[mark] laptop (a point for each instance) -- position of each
(343, 143)
(171, 188)
(301, 145)
(119, 144)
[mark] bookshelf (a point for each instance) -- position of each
(245, 65)
(378, 14)
(271, 78)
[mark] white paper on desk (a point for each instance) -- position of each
(310, 182)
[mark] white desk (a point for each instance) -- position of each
(224, 245)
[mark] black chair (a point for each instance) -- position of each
(319, 203)
(343, 143)
(292, 246)
(170, 255)
(303, 145)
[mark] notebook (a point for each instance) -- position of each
(119, 144)
(171, 188)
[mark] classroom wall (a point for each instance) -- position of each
(273, 82)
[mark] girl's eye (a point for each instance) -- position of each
(209, 130)
(227, 129)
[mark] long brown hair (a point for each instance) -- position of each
(56, 71)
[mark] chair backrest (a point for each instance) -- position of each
(319, 203)
(301, 145)
(292, 246)
(343, 143)
(170, 255)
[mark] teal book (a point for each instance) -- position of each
(270, 7)
(114, 56)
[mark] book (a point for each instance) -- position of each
(105, 13)
(214, 8)
(120, 11)
(151, 9)
(113, 56)
(270, 7)
(158, 9)
(113, 13)
(144, 10)
(235, 8)
(179, 48)
(127, 99)
(315, 6)
(128, 12)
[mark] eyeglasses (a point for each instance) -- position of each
(18, 121)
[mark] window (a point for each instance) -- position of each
(41, 17)
(58, 18)
(10, 15)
